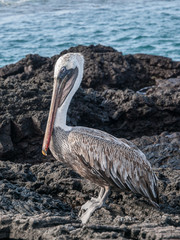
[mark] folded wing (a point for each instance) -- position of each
(118, 161)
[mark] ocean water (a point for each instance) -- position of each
(47, 27)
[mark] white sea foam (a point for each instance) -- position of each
(12, 2)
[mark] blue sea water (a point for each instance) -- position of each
(47, 27)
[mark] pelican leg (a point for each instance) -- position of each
(92, 205)
(102, 190)
(85, 206)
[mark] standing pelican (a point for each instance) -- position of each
(105, 160)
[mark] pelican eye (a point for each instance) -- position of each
(63, 69)
(62, 72)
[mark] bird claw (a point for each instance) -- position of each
(90, 206)
(88, 209)
(87, 205)
(84, 207)
(85, 217)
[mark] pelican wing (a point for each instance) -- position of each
(117, 161)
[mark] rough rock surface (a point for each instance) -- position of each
(131, 96)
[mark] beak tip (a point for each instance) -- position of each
(44, 152)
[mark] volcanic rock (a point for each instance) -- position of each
(132, 96)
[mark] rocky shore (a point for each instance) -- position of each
(131, 96)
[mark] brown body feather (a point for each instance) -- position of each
(106, 160)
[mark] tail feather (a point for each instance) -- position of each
(151, 189)
(156, 205)
(155, 198)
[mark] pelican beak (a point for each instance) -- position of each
(51, 117)
(61, 89)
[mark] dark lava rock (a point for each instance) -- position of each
(129, 96)
(132, 96)
(42, 202)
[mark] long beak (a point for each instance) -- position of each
(60, 91)
(52, 114)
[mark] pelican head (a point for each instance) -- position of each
(68, 75)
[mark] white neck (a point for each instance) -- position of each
(61, 115)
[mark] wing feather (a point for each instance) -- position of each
(117, 161)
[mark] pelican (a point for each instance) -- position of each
(107, 161)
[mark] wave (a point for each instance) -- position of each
(12, 2)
